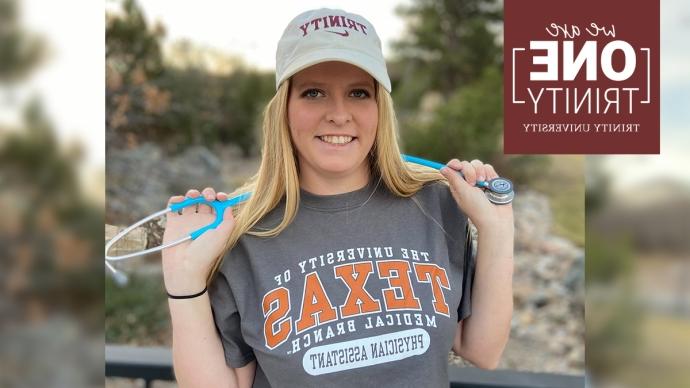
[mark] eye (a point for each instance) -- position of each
(311, 93)
(360, 93)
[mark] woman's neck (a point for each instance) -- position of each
(320, 184)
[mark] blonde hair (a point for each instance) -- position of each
(278, 173)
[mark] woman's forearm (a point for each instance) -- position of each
(197, 351)
(484, 334)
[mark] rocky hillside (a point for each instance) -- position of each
(548, 324)
(140, 180)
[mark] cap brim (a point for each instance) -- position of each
(359, 59)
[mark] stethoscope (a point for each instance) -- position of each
(498, 190)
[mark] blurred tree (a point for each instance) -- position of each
(47, 244)
(613, 326)
(609, 255)
(597, 184)
(133, 58)
(131, 46)
(58, 229)
(449, 43)
(245, 95)
(470, 120)
(608, 259)
(196, 96)
(25, 154)
(207, 108)
(613, 315)
(448, 85)
(20, 52)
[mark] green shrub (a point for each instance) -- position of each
(137, 313)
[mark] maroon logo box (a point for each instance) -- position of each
(581, 77)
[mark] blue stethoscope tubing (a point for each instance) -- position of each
(499, 191)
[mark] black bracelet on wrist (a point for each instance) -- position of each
(186, 296)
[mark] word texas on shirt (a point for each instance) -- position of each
(361, 289)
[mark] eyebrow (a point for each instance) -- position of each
(324, 85)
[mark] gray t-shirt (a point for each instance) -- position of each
(361, 289)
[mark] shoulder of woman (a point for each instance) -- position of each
(435, 190)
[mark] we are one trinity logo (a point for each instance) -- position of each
(581, 77)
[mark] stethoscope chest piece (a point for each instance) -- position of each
(500, 191)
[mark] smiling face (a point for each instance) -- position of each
(333, 116)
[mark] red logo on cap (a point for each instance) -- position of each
(344, 33)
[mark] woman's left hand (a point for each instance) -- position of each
(472, 200)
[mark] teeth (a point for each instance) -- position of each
(336, 139)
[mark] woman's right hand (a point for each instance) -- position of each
(186, 266)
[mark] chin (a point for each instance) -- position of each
(337, 167)
(338, 164)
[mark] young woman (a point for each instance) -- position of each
(347, 266)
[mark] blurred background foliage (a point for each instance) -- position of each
(448, 80)
(48, 224)
(138, 313)
(638, 280)
(52, 229)
(20, 51)
(181, 102)
(51, 276)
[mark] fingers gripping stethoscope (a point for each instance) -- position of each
(497, 190)
(218, 206)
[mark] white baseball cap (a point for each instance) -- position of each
(323, 35)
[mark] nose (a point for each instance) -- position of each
(338, 112)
